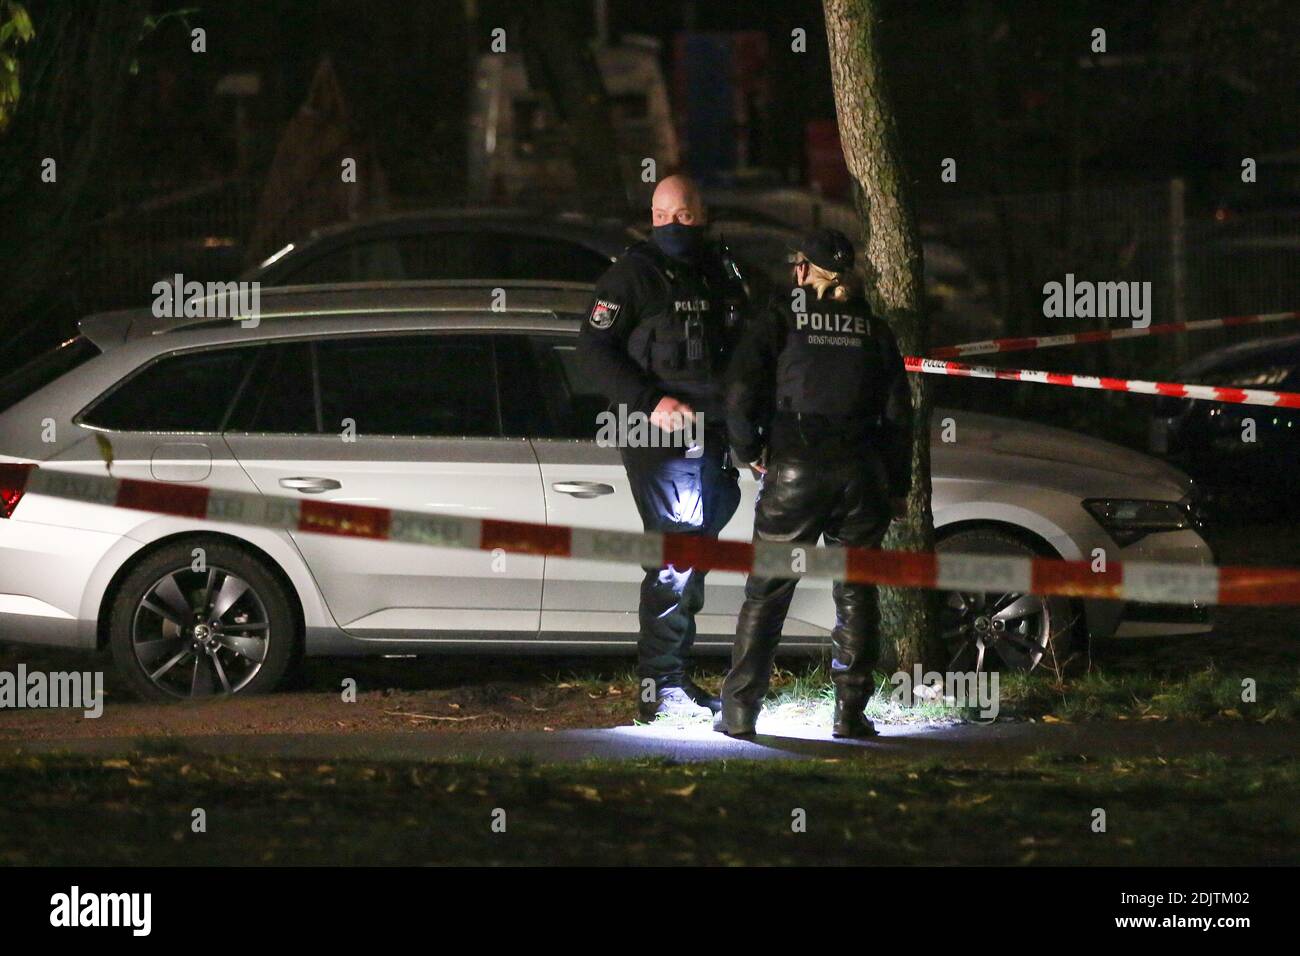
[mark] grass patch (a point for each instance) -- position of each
(804, 694)
(81, 810)
(1204, 694)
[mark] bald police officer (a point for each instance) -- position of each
(656, 343)
(818, 405)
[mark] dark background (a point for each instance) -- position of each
(1066, 159)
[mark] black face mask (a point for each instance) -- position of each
(680, 241)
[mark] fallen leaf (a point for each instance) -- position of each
(105, 451)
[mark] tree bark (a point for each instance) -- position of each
(896, 288)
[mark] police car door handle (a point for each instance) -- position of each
(583, 489)
(311, 486)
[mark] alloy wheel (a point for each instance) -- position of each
(200, 634)
(983, 631)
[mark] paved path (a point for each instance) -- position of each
(984, 743)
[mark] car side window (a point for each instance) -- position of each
(558, 260)
(184, 392)
(372, 260)
(571, 402)
(281, 397)
(409, 385)
(450, 255)
(528, 403)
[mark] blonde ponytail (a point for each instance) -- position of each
(837, 286)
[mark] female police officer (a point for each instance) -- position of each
(817, 389)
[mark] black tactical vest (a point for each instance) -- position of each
(686, 333)
(832, 362)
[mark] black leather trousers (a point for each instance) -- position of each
(845, 501)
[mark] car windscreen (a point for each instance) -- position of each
(44, 369)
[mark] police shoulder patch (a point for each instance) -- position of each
(603, 313)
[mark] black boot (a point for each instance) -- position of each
(757, 634)
(855, 649)
(849, 721)
(736, 722)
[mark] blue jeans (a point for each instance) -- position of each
(677, 495)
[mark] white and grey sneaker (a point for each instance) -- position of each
(673, 702)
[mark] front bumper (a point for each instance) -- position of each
(1164, 620)
(1123, 619)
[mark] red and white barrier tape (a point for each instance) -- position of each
(988, 346)
(1150, 582)
(1212, 393)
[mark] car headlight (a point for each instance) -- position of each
(1129, 520)
(1262, 378)
(1269, 376)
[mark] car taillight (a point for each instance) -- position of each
(13, 484)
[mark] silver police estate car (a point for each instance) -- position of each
(463, 398)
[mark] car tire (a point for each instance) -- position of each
(243, 643)
(1017, 631)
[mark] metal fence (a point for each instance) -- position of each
(1012, 245)
(1198, 268)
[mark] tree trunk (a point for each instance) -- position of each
(74, 75)
(896, 287)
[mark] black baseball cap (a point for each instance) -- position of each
(828, 248)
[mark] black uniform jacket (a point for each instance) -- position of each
(878, 407)
(659, 326)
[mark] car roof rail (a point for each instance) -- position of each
(107, 329)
